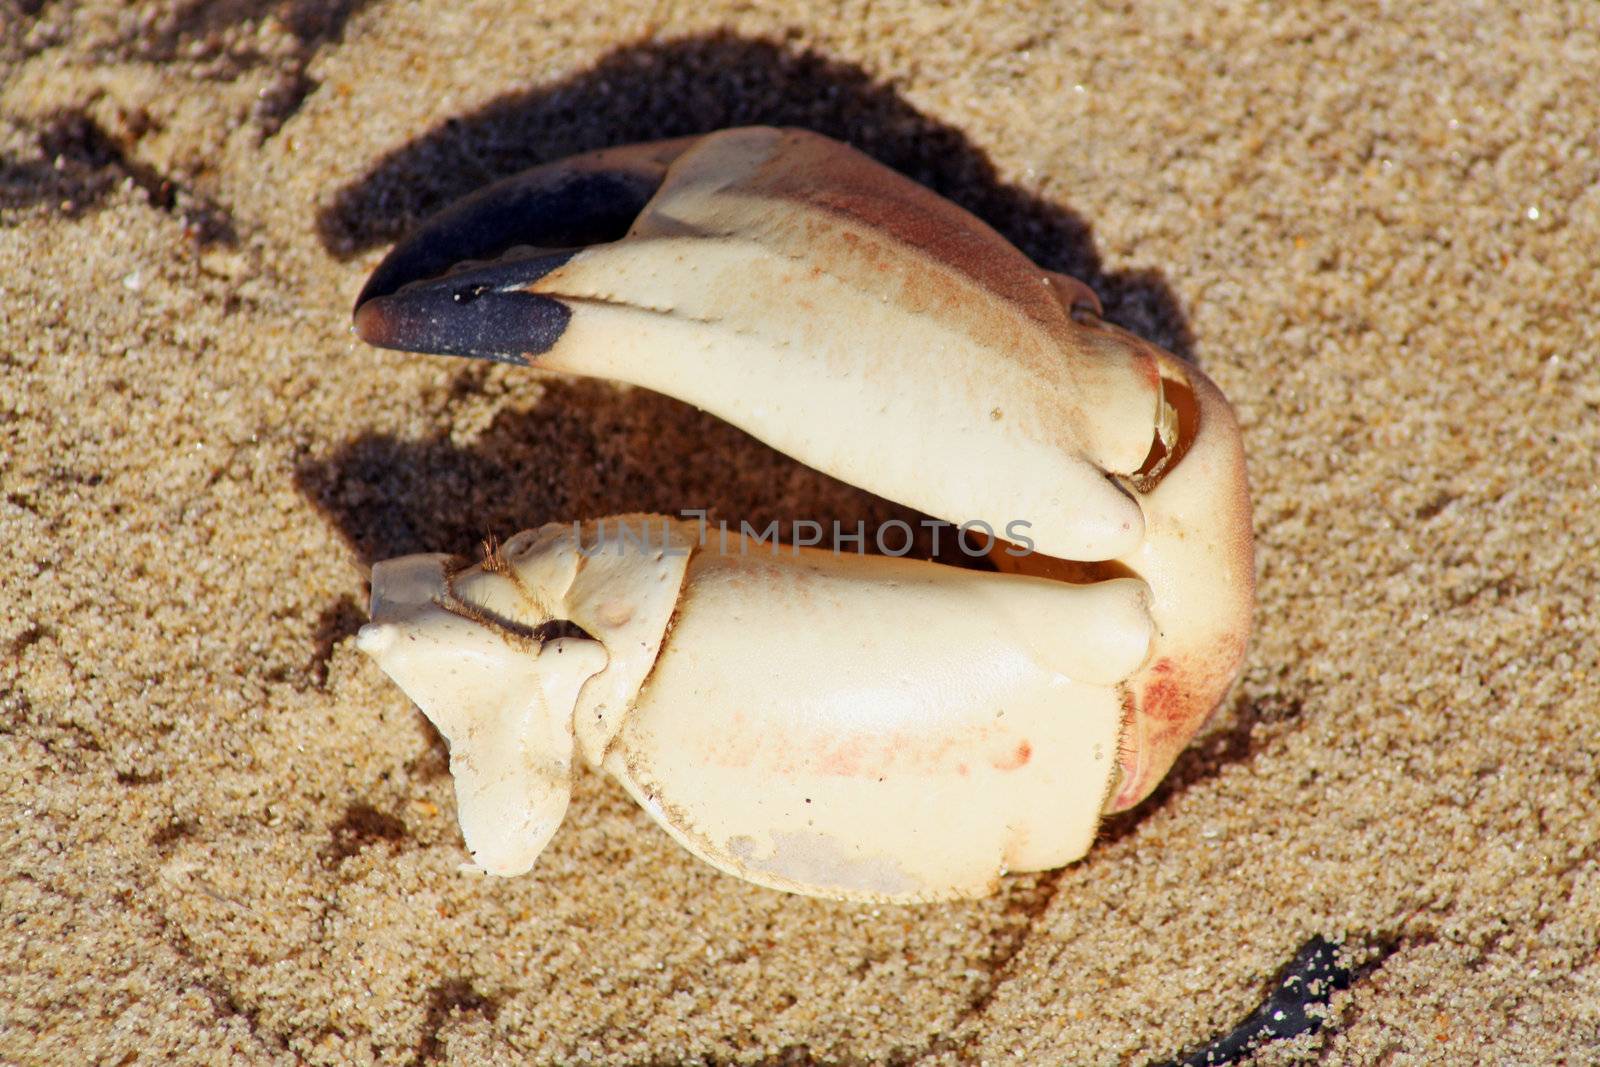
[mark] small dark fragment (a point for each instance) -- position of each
(1308, 982)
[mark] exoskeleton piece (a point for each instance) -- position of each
(820, 722)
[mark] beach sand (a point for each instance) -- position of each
(225, 837)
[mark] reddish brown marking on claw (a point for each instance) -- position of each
(1152, 372)
(861, 754)
(846, 758)
(1163, 698)
(1172, 699)
(1015, 760)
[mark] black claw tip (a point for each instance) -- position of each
(482, 311)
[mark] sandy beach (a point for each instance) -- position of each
(225, 837)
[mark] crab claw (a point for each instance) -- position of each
(856, 321)
(778, 256)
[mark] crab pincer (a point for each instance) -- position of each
(849, 726)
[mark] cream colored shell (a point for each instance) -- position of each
(863, 759)
(855, 727)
